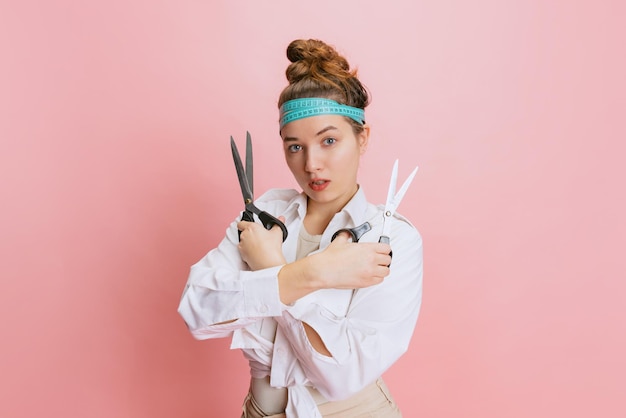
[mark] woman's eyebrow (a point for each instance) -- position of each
(326, 129)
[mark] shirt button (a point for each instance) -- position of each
(263, 308)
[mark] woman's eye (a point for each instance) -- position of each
(329, 141)
(294, 148)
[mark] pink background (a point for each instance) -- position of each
(116, 176)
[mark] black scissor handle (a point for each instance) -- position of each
(269, 221)
(356, 233)
(266, 219)
(248, 217)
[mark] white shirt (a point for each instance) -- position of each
(365, 330)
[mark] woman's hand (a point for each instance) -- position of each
(348, 265)
(261, 248)
(342, 265)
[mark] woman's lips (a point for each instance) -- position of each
(318, 185)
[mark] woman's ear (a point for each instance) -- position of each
(363, 138)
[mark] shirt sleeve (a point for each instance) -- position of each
(372, 335)
(222, 295)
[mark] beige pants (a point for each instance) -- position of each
(252, 410)
(374, 401)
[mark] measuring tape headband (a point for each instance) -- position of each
(304, 108)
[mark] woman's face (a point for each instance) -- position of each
(323, 155)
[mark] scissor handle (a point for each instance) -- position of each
(356, 233)
(269, 221)
(248, 217)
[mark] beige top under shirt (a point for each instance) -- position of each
(307, 243)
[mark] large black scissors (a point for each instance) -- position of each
(246, 183)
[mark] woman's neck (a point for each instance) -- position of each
(318, 215)
(316, 222)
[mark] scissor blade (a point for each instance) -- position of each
(241, 175)
(405, 186)
(249, 167)
(392, 183)
(393, 201)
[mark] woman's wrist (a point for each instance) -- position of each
(296, 280)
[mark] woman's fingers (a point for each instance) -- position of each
(276, 230)
(258, 247)
(243, 225)
(345, 264)
(384, 259)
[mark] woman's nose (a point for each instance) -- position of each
(313, 162)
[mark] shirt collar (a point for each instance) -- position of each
(353, 212)
(356, 208)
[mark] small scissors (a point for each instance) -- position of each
(246, 184)
(393, 201)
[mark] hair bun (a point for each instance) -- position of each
(313, 58)
(312, 50)
(316, 69)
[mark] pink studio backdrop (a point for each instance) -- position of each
(116, 176)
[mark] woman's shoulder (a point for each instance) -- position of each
(401, 226)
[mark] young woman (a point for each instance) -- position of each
(319, 319)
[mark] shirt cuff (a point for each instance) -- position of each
(260, 290)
